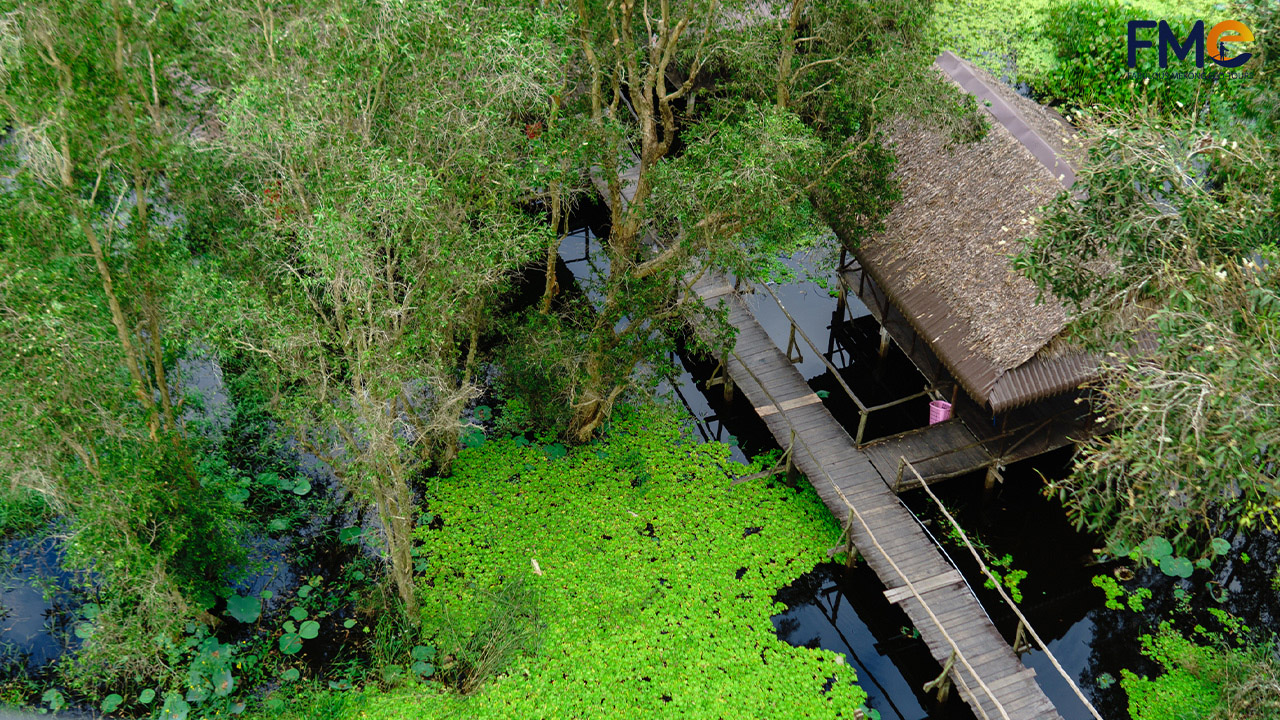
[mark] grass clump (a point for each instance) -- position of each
(512, 626)
(22, 510)
(1219, 679)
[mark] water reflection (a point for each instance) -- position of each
(36, 597)
(844, 610)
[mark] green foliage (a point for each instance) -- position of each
(54, 699)
(148, 527)
(89, 419)
(110, 703)
(639, 590)
(1016, 38)
(1112, 589)
(1175, 566)
(1090, 43)
(1002, 36)
(1213, 680)
(1173, 243)
(1135, 600)
(374, 235)
(1001, 567)
(511, 625)
(244, 609)
(22, 510)
(784, 137)
(1159, 551)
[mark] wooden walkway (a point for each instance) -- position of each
(854, 486)
(939, 451)
(1023, 433)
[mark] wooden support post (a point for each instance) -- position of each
(897, 484)
(884, 342)
(797, 357)
(720, 376)
(942, 683)
(989, 483)
(850, 552)
(841, 300)
(1020, 642)
(993, 475)
(862, 427)
(791, 466)
(727, 381)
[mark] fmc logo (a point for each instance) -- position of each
(1222, 33)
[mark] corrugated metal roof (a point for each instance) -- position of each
(949, 337)
(947, 333)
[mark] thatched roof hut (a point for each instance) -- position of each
(944, 257)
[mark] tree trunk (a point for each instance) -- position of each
(552, 287)
(400, 535)
(595, 400)
(131, 355)
(787, 52)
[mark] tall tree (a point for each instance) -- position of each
(382, 155)
(723, 133)
(1176, 243)
(89, 414)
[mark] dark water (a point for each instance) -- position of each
(1058, 596)
(37, 601)
(842, 609)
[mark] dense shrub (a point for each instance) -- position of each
(1090, 48)
(1214, 680)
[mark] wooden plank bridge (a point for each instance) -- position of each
(858, 483)
(854, 485)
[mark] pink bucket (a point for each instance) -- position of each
(939, 410)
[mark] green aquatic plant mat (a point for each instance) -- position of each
(656, 586)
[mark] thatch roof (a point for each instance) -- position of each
(944, 258)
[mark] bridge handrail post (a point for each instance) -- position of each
(791, 343)
(1022, 619)
(942, 684)
(915, 592)
(830, 368)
